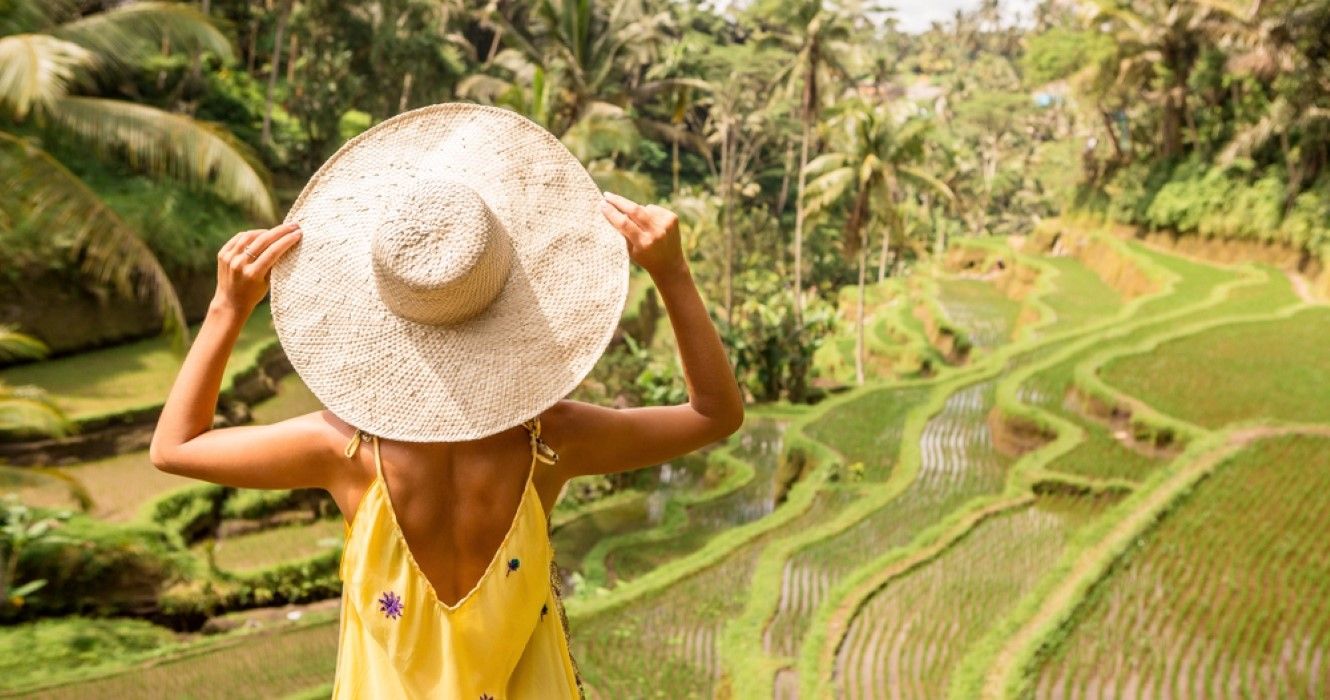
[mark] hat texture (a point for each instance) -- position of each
(454, 277)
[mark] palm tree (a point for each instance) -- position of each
(27, 409)
(820, 42)
(871, 160)
(1267, 44)
(49, 55)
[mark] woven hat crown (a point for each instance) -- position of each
(440, 255)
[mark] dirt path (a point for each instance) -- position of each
(1061, 601)
(1301, 286)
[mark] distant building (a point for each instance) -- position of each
(1051, 94)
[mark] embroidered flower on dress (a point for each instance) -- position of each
(390, 604)
(512, 565)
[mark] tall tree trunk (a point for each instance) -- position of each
(859, 315)
(799, 230)
(674, 162)
(253, 45)
(785, 179)
(886, 243)
(494, 44)
(406, 92)
(1112, 135)
(727, 203)
(285, 13)
(292, 50)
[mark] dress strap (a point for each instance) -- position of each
(539, 449)
(354, 443)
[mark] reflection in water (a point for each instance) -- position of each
(759, 444)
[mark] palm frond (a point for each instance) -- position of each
(197, 152)
(19, 346)
(36, 70)
(109, 250)
(827, 189)
(483, 88)
(124, 35)
(604, 130)
(629, 183)
(29, 410)
(23, 16)
(921, 177)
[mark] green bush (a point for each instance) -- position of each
(1194, 197)
(188, 513)
(102, 569)
(259, 503)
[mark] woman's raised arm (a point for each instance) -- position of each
(594, 439)
(290, 454)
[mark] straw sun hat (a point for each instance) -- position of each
(455, 275)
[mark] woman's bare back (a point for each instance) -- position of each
(454, 502)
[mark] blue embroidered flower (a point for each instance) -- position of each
(390, 604)
(512, 565)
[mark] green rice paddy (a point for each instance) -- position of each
(918, 555)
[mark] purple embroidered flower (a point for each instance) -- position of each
(390, 604)
(512, 565)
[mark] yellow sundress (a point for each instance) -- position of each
(502, 640)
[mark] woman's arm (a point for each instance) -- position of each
(290, 454)
(594, 439)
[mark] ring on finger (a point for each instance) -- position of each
(250, 253)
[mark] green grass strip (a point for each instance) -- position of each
(1044, 616)
(1147, 421)
(818, 651)
(750, 669)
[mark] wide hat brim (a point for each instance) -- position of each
(528, 349)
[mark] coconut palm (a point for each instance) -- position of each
(51, 56)
(871, 160)
(27, 409)
(819, 40)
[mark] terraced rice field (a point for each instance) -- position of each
(1081, 296)
(759, 445)
(1102, 454)
(870, 429)
(133, 375)
(268, 664)
(958, 463)
(984, 313)
(665, 645)
(907, 638)
(1277, 369)
(1223, 595)
(1229, 596)
(268, 547)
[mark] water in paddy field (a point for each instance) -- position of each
(758, 444)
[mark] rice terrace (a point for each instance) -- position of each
(1049, 418)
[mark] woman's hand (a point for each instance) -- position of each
(652, 233)
(243, 264)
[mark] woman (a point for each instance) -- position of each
(447, 569)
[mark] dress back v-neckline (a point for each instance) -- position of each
(378, 489)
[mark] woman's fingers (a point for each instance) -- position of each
(266, 238)
(274, 250)
(626, 226)
(237, 242)
(632, 209)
